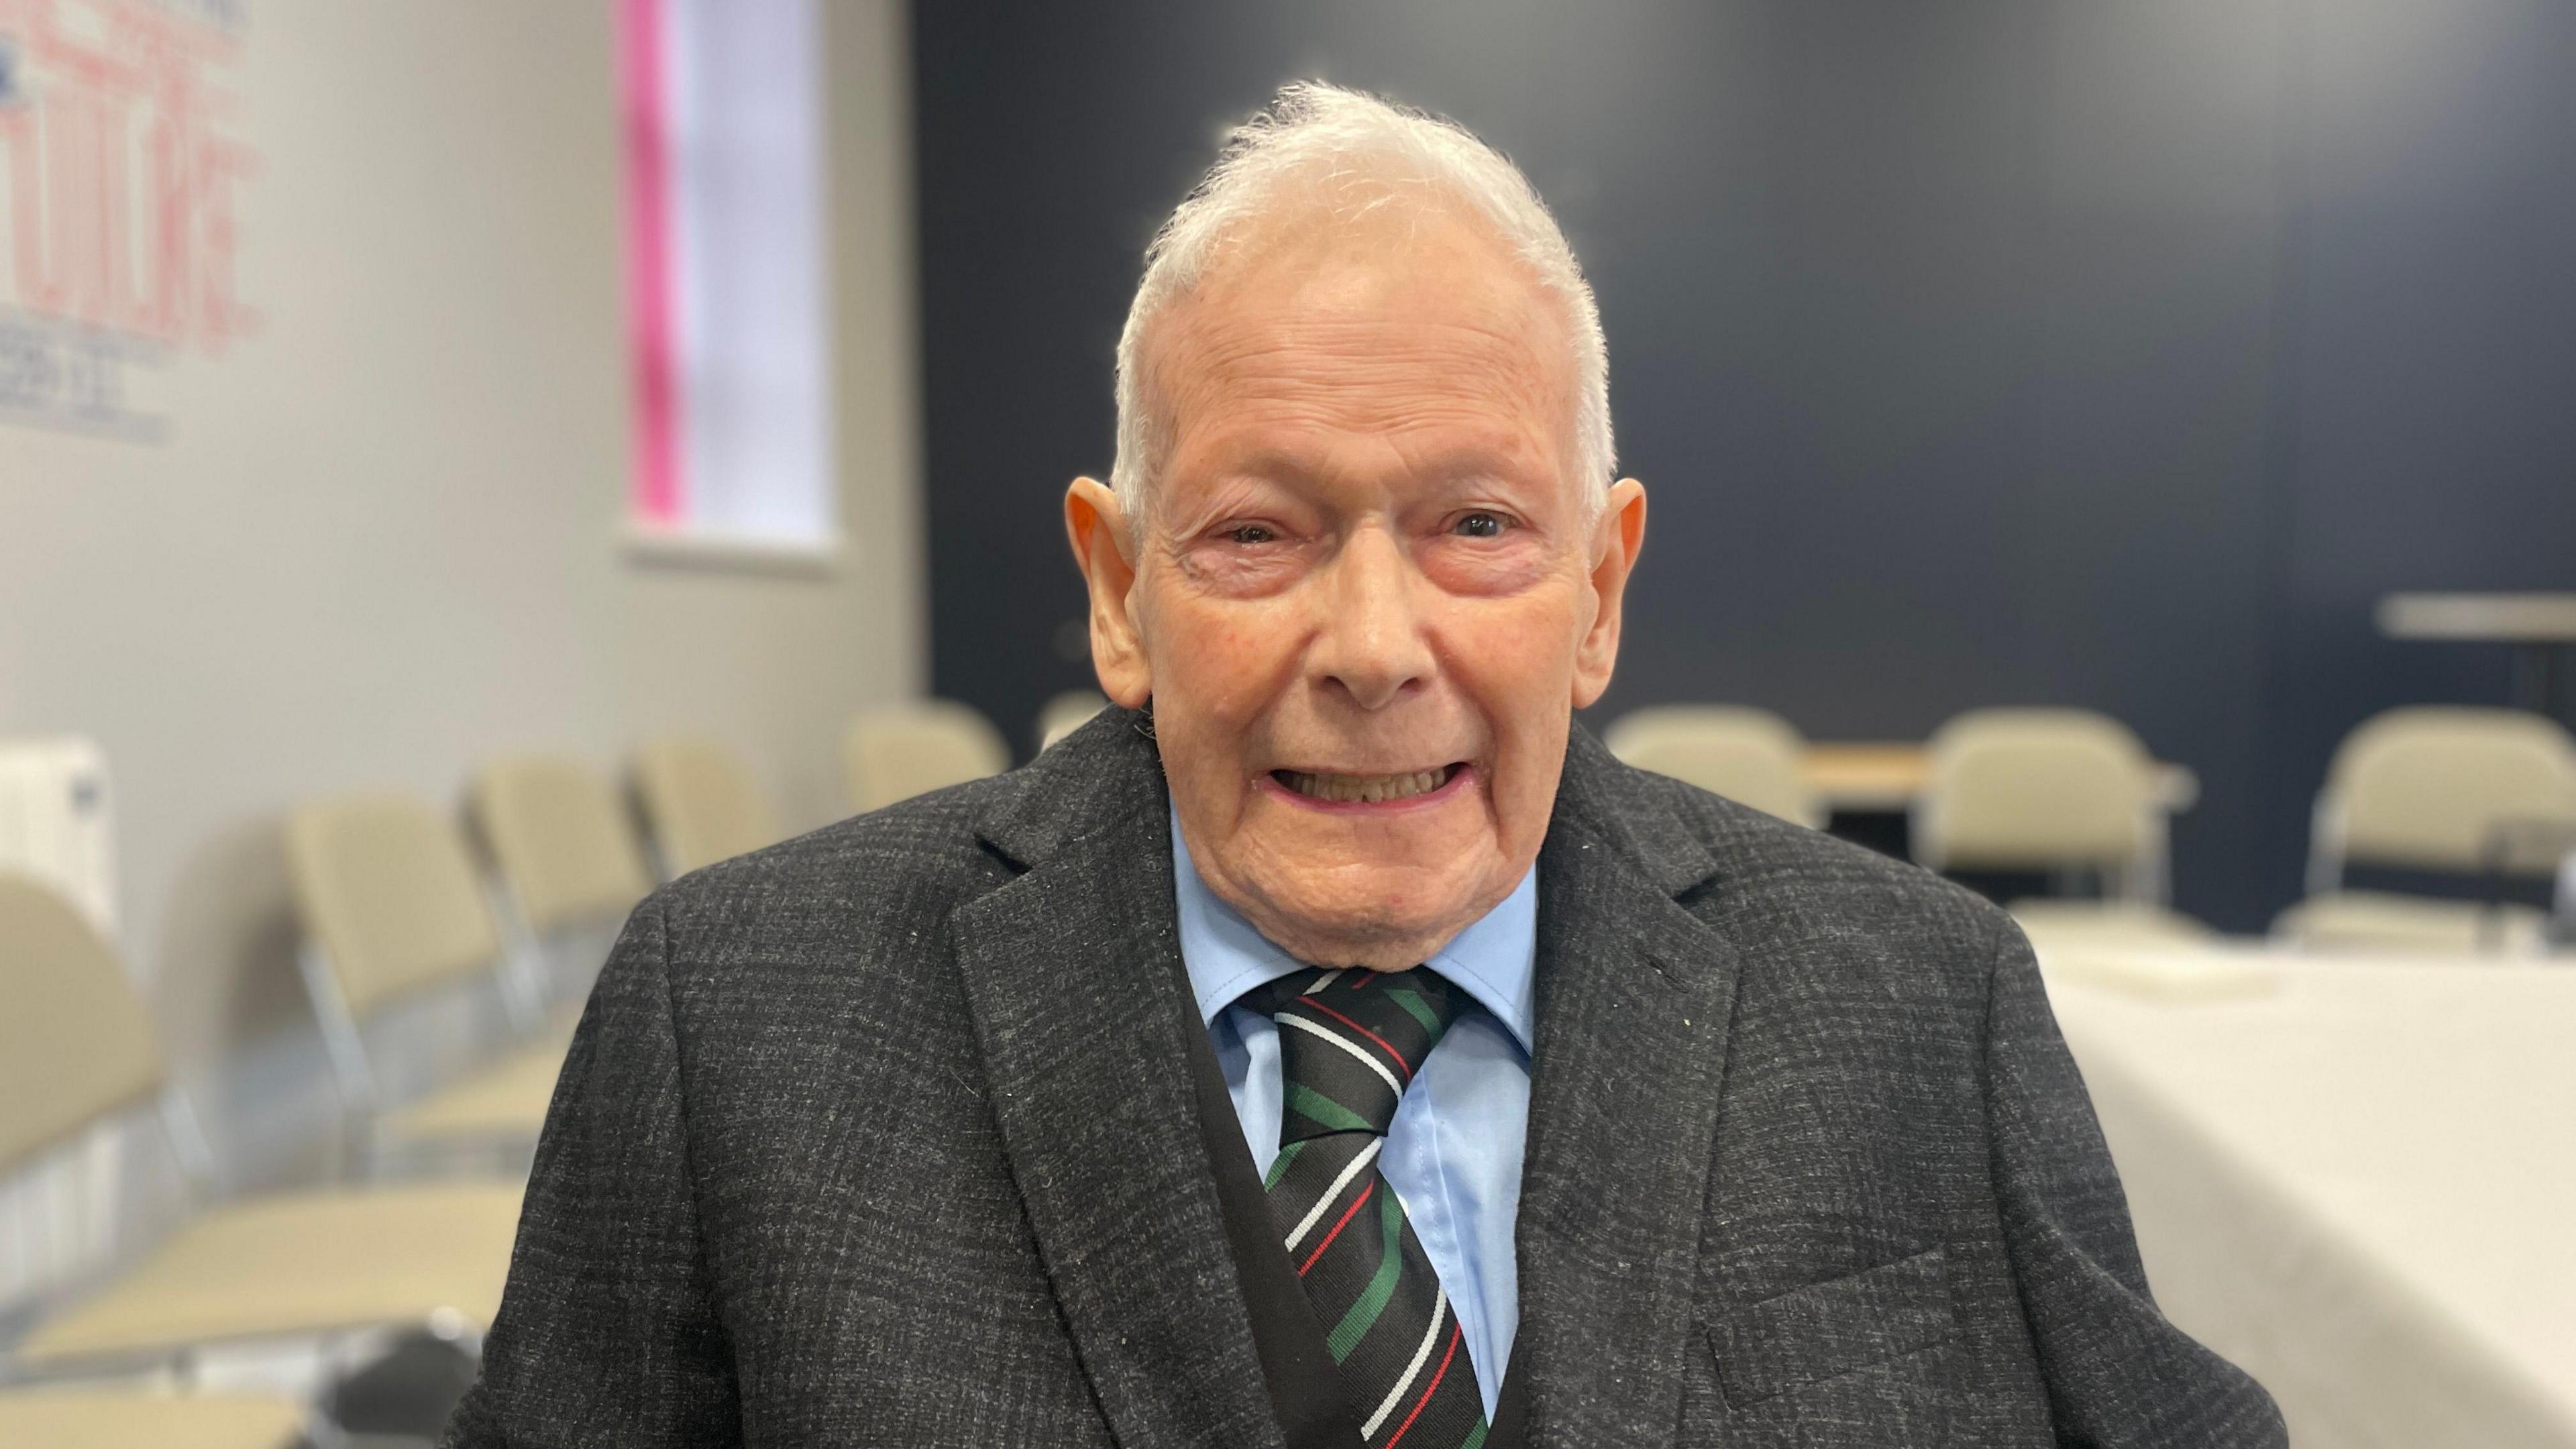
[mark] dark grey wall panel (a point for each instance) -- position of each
(2114, 354)
(2431, 396)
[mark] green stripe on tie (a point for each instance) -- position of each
(1475, 1436)
(1279, 1164)
(1315, 1106)
(1355, 1324)
(1416, 1008)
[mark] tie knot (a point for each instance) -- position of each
(1350, 1042)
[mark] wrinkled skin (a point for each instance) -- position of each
(1368, 568)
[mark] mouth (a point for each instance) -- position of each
(1326, 788)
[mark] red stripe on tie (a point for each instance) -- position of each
(1366, 1188)
(1400, 1064)
(1455, 1328)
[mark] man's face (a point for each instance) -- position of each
(1368, 590)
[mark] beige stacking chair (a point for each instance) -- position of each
(2458, 791)
(1068, 712)
(700, 804)
(77, 1054)
(55, 1418)
(566, 853)
(1748, 755)
(903, 750)
(392, 910)
(2060, 791)
(562, 840)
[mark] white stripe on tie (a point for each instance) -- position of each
(1327, 979)
(1421, 1356)
(1359, 1164)
(1302, 1024)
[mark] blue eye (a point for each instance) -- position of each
(1481, 525)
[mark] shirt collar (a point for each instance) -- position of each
(1493, 960)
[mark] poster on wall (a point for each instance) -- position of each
(122, 168)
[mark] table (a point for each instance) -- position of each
(1884, 777)
(2538, 626)
(2356, 1178)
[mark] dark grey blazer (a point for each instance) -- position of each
(888, 1136)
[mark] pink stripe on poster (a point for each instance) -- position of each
(651, 275)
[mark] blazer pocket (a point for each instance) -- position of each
(1833, 1327)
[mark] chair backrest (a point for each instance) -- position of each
(1068, 712)
(76, 1040)
(561, 837)
(2037, 789)
(903, 750)
(387, 889)
(700, 803)
(2448, 788)
(1747, 755)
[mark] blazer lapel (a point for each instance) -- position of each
(1635, 996)
(1070, 971)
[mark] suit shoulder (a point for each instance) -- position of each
(1772, 866)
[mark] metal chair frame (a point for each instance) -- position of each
(524, 996)
(2146, 878)
(2328, 859)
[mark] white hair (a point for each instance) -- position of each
(1316, 131)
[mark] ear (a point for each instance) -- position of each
(1097, 528)
(1616, 541)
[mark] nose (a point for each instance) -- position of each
(1370, 645)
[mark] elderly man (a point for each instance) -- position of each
(1334, 1046)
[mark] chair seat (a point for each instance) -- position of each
(506, 1099)
(2106, 923)
(2386, 921)
(105, 1419)
(300, 1263)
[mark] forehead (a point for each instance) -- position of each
(1407, 325)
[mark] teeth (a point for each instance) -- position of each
(1364, 789)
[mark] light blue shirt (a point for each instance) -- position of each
(1453, 1155)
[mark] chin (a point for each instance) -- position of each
(1379, 916)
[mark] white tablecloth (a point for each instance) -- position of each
(2355, 1178)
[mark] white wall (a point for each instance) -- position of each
(381, 541)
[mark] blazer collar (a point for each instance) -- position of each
(1088, 783)
(1635, 1005)
(1073, 979)
(1073, 976)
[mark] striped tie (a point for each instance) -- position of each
(1349, 1043)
